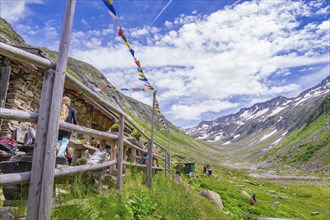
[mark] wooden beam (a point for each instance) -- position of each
(121, 124)
(18, 115)
(21, 55)
(89, 131)
(41, 189)
(142, 165)
(19, 178)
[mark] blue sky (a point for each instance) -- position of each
(205, 58)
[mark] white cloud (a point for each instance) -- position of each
(14, 10)
(204, 60)
(194, 111)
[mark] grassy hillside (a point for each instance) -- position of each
(171, 200)
(307, 147)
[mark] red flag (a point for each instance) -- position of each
(121, 32)
(138, 63)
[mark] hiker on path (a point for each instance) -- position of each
(204, 170)
(209, 171)
(253, 199)
(69, 115)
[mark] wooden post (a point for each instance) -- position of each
(166, 154)
(4, 83)
(42, 177)
(151, 142)
(168, 166)
(133, 155)
(120, 153)
(39, 147)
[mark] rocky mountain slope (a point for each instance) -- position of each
(252, 132)
(181, 143)
(280, 113)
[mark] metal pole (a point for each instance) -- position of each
(151, 142)
(42, 177)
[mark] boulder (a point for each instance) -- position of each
(177, 178)
(210, 195)
(245, 194)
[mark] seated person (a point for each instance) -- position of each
(99, 156)
(31, 135)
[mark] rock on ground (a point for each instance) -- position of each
(210, 195)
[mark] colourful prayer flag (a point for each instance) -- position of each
(138, 63)
(120, 32)
(143, 79)
(109, 6)
(132, 52)
(142, 75)
(140, 69)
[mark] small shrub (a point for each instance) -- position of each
(114, 128)
(135, 134)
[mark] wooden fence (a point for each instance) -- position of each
(41, 177)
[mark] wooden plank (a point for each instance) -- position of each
(120, 153)
(44, 185)
(150, 144)
(18, 178)
(21, 55)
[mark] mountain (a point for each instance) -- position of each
(181, 143)
(307, 148)
(252, 132)
(281, 113)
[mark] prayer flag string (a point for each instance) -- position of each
(142, 76)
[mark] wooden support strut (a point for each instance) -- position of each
(41, 187)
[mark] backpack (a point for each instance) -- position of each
(8, 144)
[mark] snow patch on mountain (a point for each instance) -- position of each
(268, 135)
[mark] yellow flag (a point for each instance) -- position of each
(127, 44)
(110, 1)
(142, 75)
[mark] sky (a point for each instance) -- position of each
(205, 58)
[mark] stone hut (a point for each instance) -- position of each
(24, 91)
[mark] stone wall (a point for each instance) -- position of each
(23, 93)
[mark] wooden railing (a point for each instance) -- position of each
(43, 171)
